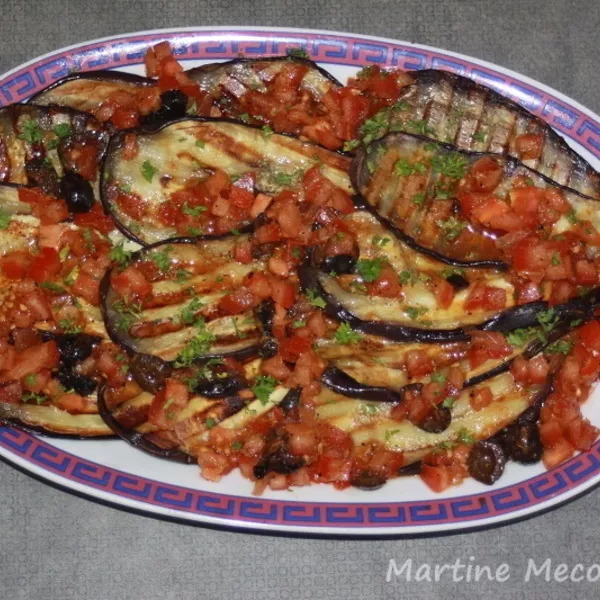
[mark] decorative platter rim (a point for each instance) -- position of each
(43, 457)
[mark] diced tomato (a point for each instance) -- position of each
(131, 282)
(444, 292)
(531, 257)
(242, 252)
(589, 335)
(72, 403)
(386, 285)
(485, 345)
(485, 297)
(87, 288)
(125, 118)
(525, 200)
(15, 264)
(34, 359)
(239, 301)
(167, 403)
(418, 363)
(529, 145)
(538, 370)
(45, 265)
(259, 284)
(480, 398)
(282, 292)
(437, 478)
(550, 433)
(557, 454)
(585, 273)
(485, 175)
(96, 219)
(130, 146)
(291, 348)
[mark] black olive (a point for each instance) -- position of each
(367, 480)
(71, 380)
(338, 263)
(290, 401)
(265, 250)
(281, 460)
(173, 105)
(458, 281)
(269, 348)
(411, 469)
(149, 372)
(438, 420)
(522, 443)
(43, 175)
(219, 387)
(77, 192)
(265, 312)
(74, 348)
(486, 461)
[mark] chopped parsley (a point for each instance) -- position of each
(69, 326)
(187, 315)
(350, 145)
(548, 319)
(448, 402)
(556, 259)
(282, 178)
(126, 314)
(519, 337)
(88, 239)
(379, 240)
(418, 199)
(315, 299)
(451, 227)
(466, 437)
(31, 379)
(196, 347)
(181, 275)
(438, 377)
(297, 52)
(560, 347)
(414, 312)
(346, 335)
(53, 287)
(34, 398)
(245, 117)
(148, 171)
(298, 324)
(451, 164)
(572, 217)
(210, 423)
(62, 130)
(418, 126)
(263, 387)
(199, 143)
(162, 258)
(267, 131)
(479, 136)
(451, 271)
(31, 133)
(119, 255)
(374, 127)
(237, 445)
(4, 219)
(193, 211)
(369, 269)
(72, 276)
(239, 334)
(64, 253)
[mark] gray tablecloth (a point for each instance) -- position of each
(54, 545)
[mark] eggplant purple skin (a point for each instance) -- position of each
(136, 439)
(512, 318)
(101, 75)
(197, 72)
(467, 86)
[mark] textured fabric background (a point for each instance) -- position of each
(54, 545)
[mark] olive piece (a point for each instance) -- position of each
(43, 175)
(290, 401)
(486, 461)
(269, 348)
(411, 469)
(438, 420)
(522, 443)
(367, 480)
(219, 387)
(265, 313)
(281, 460)
(340, 264)
(74, 348)
(71, 380)
(77, 192)
(149, 372)
(457, 281)
(173, 105)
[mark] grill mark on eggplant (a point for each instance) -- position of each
(568, 168)
(136, 439)
(407, 146)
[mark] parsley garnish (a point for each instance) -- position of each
(572, 217)
(466, 437)
(237, 445)
(31, 397)
(263, 387)
(31, 132)
(369, 270)
(374, 127)
(69, 326)
(418, 126)
(297, 52)
(196, 347)
(267, 131)
(62, 130)
(199, 143)
(31, 379)
(555, 259)
(181, 275)
(148, 171)
(519, 337)
(451, 227)
(479, 136)
(315, 299)
(350, 145)
(438, 377)
(451, 164)
(346, 335)
(119, 255)
(4, 219)
(162, 259)
(414, 312)
(448, 402)
(210, 423)
(560, 347)
(127, 314)
(418, 199)
(298, 324)
(193, 211)
(53, 287)
(187, 315)
(379, 240)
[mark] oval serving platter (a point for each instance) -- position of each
(112, 471)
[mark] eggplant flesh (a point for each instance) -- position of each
(87, 91)
(456, 110)
(228, 82)
(36, 143)
(384, 174)
(183, 319)
(188, 151)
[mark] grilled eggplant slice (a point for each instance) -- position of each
(401, 176)
(456, 110)
(231, 86)
(40, 144)
(180, 321)
(370, 422)
(87, 91)
(185, 153)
